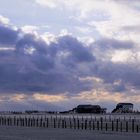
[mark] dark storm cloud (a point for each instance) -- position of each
(127, 74)
(35, 66)
(79, 53)
(8, 36)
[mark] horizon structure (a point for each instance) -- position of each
(57, 54)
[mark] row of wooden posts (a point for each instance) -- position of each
(73, 123)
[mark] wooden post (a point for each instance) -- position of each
(121, 126)
(133, 123)
(137, 128)
(29, 122)
(70, 123)
(54, 122)
(8, 121)
(126, 126)
(112, 125)
(117, 124)
(101, 119)
(41, 121)
(23, 122)
(78, 123)
(74, 121)
(82, 125)
(93, 125)
(86, 124)
(97, 125)
(37, 122)
(4, 120)
(44, 124)
(17, 122)
(47, 122)
(65, 121)
(59, 121)
(106, 127)
(90, 125)
(1, 120)
(26, 123)
(62, 123)
(33, 122)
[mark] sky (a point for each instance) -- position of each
(57, 54)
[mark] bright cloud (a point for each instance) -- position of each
(98, 96)
(30, 29)
(49, 98)
(4, 20)
(108, 17)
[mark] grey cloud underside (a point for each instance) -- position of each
(57, 68)
(8, 36)
(104, 44)
(135, 28)
(9, 105)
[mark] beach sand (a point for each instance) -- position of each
(19, 133)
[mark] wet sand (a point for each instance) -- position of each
(19, 133)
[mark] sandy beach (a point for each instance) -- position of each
(18, 133)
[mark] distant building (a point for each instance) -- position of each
(89, 109)
(31, 111)
(123, 108)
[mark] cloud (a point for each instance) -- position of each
(29, 29)
(8, 36)
(35, 66)
(49, 98)
(51, 67)
(107, 44)
(83, 30)
(105, 16)
(4, 20)
(57, 67)
(103, 9)
(47, 3)
(81, 7)
(134, 28)
(22, 102)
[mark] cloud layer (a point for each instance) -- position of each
(32, 65)
(46, 68)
